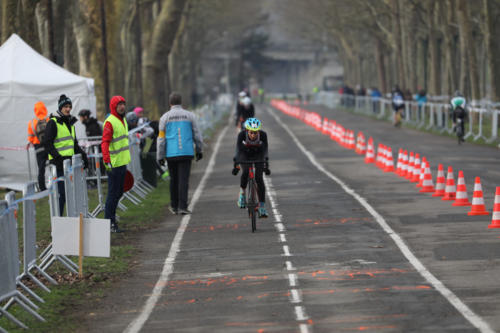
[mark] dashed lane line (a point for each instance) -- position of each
(456, 302)
(168, 266)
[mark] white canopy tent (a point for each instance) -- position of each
(27, 77)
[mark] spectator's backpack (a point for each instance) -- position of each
(40, 129)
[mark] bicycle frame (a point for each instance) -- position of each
(252, 203)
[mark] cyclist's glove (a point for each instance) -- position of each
(235, 170)
(267, 171)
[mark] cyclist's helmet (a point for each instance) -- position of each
(253, 124)
(246, 101)
(458, 94)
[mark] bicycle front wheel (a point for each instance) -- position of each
(252, 204)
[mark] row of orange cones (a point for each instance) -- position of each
(408, 166)
(418, 171)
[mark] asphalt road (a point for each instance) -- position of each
(346, 247)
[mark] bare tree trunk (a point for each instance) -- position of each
(379, 58)
(468, 46)
(490, 12)
(434, 74)
(398, 43)
(163, 36)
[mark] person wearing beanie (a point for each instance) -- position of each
(116, 156)
(61, 143)
(36, 132)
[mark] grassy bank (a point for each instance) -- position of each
(63, 304)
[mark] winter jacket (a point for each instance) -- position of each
(41, 114)
(92, 127)
(178, 133)
(50, 136)
(107, 132)
(247, 150)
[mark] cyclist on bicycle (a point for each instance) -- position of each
(244, 110)
(397, 105)
(459, 114)
(252, 146)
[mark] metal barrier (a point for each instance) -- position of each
(9, 261)
(75, 180)
(483, 116)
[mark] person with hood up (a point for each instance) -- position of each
(116, 156)
(36, 132)
(60, 142)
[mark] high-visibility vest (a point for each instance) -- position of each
(64, 141)
(119, 152)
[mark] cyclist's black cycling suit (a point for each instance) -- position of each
(243, 113)
(460, 113)
(256, 150)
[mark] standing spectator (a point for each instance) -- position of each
(177, 133)
(421, 98)
(116, 156)
(92, 126)
(36, 132)
(375, 95)
(61, 143)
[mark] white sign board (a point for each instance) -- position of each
(96, 236)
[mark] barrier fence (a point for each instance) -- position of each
(482, 116)
(75, 180)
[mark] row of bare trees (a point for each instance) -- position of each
(141, 49)
(441, 46)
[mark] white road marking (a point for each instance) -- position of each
(289, 266)
(292, 279)
(282, 238)
(461, 307)
(280, 227)
(168, 266)
(295, 296)
(286, 251)
(300, 313)
(303, 328)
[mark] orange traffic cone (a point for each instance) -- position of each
(450, 189)
(404, 165)
(416, 169)
(495, 221)
(352, 143)
(440, 183)
(400, 162)
(324, 127)
(477, 200)
(370, 155)
(461, 197)
(389, 163)
(411, 165)
(360, 145)
(379, 155)
(422, 172)
(427, 184)
(333, 129)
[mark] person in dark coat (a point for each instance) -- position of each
(60, 142)
(92, 126)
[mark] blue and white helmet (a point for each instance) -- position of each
(253, 124)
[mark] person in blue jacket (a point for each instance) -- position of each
(179, 141)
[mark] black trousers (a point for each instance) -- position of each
(41, 159)
(179, 182)
(259, 179)
(62, 192)
(116, 177)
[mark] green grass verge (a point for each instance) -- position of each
(65, 305)
(62, 304)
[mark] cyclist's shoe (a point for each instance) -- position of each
(262, 212)
(242, 201)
